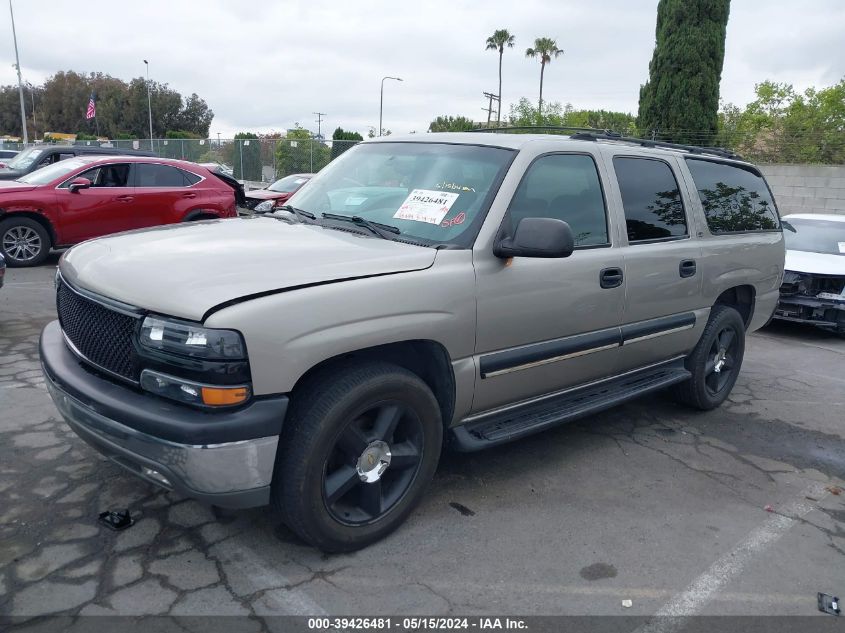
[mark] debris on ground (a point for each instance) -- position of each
(769, 508)
(116, 519)
(630, 603)
(834, 490)
(828, 604)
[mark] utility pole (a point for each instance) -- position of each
(20, 79)
(489, 109)
(149, 102)
(320, 116)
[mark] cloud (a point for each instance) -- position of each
(264, 65)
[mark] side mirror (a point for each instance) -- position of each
(537, 237)
(79, 183)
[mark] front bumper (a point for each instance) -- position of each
(823, 313)
(116, 420)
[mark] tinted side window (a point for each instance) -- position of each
(152, 175)
(566, 187)
(651, 199)
(734, 198)
(190, 179)
(106, 176)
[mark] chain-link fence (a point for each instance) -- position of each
(263, 160)
(260, 160)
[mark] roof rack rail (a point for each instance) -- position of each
(643, 142)
(539, 128)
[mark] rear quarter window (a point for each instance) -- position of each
(735, 199)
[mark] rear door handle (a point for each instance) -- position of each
(610, 277)
(125, 198)
(686, 268)
(189, 195)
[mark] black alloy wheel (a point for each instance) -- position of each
(373, 463)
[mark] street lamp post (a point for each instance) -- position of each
(381, 102)
(20, 79)
(149, 102)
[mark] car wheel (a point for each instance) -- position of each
(715, 362)
(23, 242)
(361, 445)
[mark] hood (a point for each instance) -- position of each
(185, 270)
(13, 186)
(10, 174)
(816, 263)
(266, 194)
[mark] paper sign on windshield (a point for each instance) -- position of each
(425, 205)
(842, 247)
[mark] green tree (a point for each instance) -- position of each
(61, 103)
(680, 100)
(342, 140)
(299, 152)
(781, 125)
(497, 42)
(446, 123)
(544, 49)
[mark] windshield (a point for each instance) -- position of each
(25, 158)
(432, 192)
(815, 236)
(288, 184)
(51, 172)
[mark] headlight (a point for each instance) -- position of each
(191, 392)
(265, 206)
(187, 339)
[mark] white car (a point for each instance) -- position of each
(813, 289)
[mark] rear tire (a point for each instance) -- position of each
(715, 362)
(359, 449)
(24, 242)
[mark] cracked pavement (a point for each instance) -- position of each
(634, 503)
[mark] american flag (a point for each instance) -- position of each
(92, 108)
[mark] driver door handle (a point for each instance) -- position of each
(125, 198)
(610, 277)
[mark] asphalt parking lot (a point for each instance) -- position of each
(735, 511)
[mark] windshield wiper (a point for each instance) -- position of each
(376, 227)
(299, 213)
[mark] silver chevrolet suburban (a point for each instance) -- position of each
(446, 289)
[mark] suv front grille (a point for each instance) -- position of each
(103, 336)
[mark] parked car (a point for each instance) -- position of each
(32, 158)
(462, 289)
(813, 288)
(276, 194)
(89, 196)
(6, 155)
(219, 167)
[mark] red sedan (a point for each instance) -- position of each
(264, 200)
(89, 196)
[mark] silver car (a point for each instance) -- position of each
(452, 289)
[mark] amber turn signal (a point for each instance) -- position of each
(224, 396)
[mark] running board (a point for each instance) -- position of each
(498, 428)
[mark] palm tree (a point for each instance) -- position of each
(545, 48)
(497, 42)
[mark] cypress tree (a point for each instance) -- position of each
(680, 101)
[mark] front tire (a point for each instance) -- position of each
(715, 362)
(360, 447)
(23, 242)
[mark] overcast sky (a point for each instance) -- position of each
(264, 65)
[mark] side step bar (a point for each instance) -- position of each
(513, 424)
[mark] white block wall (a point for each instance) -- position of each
(807, 188)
